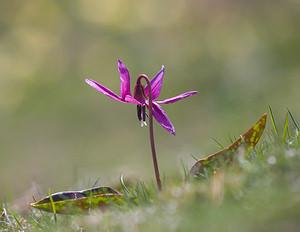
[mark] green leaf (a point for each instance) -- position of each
(72, 202)
(248, 140)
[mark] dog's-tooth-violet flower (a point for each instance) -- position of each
(141, 96)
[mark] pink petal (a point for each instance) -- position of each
(156, 84)
(132, 100)
(177, 98)
(125, 80)
(162, 118)
(103, 90)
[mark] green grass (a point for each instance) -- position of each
(260, 191)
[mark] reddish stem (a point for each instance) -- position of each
(156, 170)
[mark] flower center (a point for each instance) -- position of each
(140, 95)
(141, 113)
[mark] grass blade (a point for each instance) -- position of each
(16, 220)
(123, 184)
(286, 127)
(219, 144)
(273, 121)
(294, 121)
(96, 182)
(53, 206)
(185, 170)
(230, 139)
(194, 157)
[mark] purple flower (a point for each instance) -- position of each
(141, 98)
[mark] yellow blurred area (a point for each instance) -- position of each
(60, 133)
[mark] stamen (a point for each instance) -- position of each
(143, 123)
(144, 113)
(139, 112)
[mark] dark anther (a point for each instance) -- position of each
(144, 113)
(139, 112)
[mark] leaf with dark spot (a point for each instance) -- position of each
(72, 202)
(247, 141)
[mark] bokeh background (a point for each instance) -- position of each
(59, 133)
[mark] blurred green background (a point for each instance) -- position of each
(59, 133)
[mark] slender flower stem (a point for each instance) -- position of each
(156, 170)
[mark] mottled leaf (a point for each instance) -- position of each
(247, 141)
(72, 202)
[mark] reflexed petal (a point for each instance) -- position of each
(125, 80)
(177, 98)
(156, 84)
(162, 118)
(103, 90)
(132, 100)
